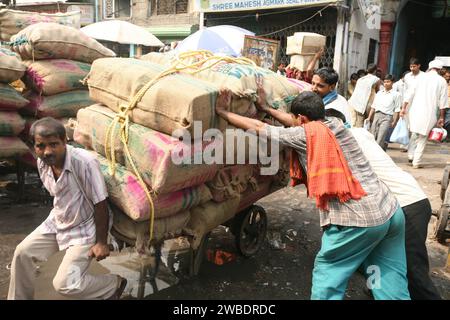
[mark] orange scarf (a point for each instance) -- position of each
(328, 173)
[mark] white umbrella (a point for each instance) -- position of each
(121, 32)
(224, 39)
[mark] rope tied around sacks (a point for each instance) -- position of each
(122, 118)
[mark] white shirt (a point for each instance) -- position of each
(430, 95)
(411, 81)
(341, 105)
(402, 184)
(363, 90)
(72, 217)
(400, 87)
(387, 102)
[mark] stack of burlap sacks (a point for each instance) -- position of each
(193, 198)
(302, 47)
(11, 101)
(57, 59)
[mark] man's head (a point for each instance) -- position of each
(354, 78)
(324, 81)
(388, 82)
(436, 65)
(308, 106)
(447, 75)
(361, 73)
(414, 65)
(49, 139)
(372, 68)
(379, 73)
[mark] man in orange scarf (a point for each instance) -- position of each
(362, 221)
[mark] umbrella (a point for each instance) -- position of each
(224, 39)
(121, 32)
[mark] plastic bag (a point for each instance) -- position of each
(401, 133)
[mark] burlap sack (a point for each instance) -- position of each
(231, 181)
(210, 215)
(138, 233)
(61, 105)
(54, 41)
(125, 192)
(173, 102)
(151, 151)
(11, 147)
(11, 68)
(49, 77)
(11, 123)
(11, 99)
(240, 79)
(13, 21)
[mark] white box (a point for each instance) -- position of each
(302, 61)
(305, 43)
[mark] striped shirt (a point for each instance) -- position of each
(376, 208)
(72, 216)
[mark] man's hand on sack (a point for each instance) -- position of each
(223, 102)
(99, 251)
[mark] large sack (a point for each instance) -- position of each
(125, 192)
(61, 105)
(210, 215)
(173, 102)
(13, 21)
(49, 77)
(12, 147)
(151, 151)
(11, 68)
(54, 41)
(240, 79)
(10, 98)
(11, 123)
(138, 233)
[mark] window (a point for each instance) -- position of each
(181, 6)
(372, 51)
(116, 9)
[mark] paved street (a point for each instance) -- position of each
(281, 270)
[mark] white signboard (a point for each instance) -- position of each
(240, 5)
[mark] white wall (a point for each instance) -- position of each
(359, 48)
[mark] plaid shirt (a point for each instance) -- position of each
(372, 210)
(72, 217)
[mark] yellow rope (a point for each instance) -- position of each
(123, 120)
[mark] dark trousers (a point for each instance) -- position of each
(420, 284)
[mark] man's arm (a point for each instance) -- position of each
(101, 217)
(371, 114)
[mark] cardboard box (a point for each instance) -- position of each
(301, 62)
(305, 43)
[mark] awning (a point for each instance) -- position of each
(37, 2)
(172, 32)
(241, 5)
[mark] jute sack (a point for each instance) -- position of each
(11, 123)
(208, 216)
(231, 181)
(11, 68)
(151, 151)
(12, 147)
(13, 21)
(239, 78)
(54, 41)
(125, 192)
(61, 105)
(173, 102)
(49, 77)
(10, 98)
(139, 232)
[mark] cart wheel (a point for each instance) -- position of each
(444, 183)
(198, 255)
(441, 224)
(250, 228)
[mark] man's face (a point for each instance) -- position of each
(51, 150)
(353, 81)
(320, 87)
(447, 77)
(388, 84)
(415, 68)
